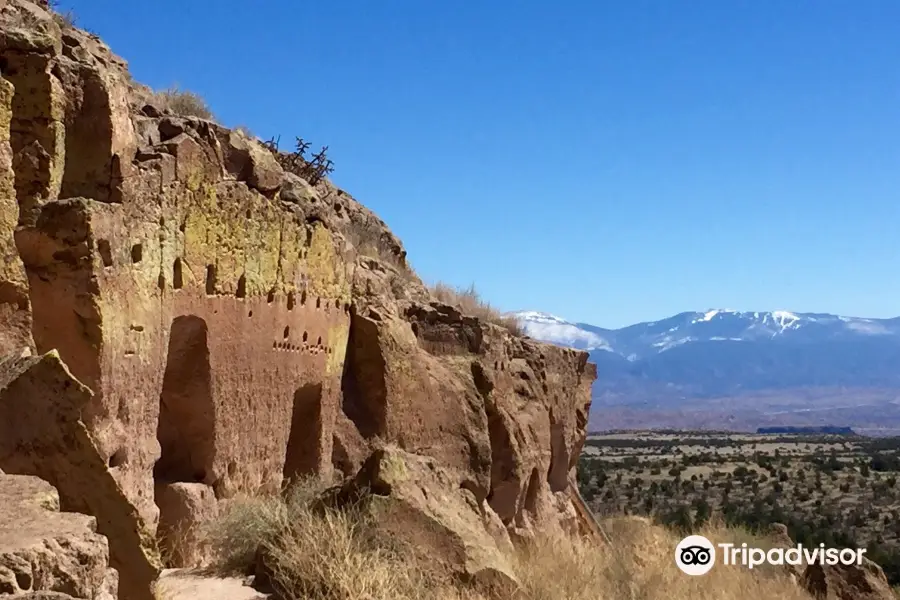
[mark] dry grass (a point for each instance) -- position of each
(318, 554)
(336, 555)
(640, 567)
(470, 302)
(184, 103)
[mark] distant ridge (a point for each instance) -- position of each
(827, 429)
(738, 370)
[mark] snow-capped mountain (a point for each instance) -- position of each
(643, 340)
(725, 368)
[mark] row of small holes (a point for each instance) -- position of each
(297, 348)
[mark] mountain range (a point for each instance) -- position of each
(738, 369)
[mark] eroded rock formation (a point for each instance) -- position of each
(183, 321)
(45, 551)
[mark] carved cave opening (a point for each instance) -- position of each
(304, 448)
(363, 388)
(530, 503)
(558, 473)
(186, 413)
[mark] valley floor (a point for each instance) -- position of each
(837, 490)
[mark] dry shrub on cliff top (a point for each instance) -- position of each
(183, 103)
(470, 302)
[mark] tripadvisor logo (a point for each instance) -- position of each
(696, 555)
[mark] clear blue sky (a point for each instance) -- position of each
(610, 162)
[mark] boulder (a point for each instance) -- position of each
(45, 553)
(184, 508)
(41, 434)
(247, 160)
(415, 499)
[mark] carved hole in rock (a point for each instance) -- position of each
(210, 279)
(337, 304)
(290, 301)
(287, 332)
(305, 336)
(304, 448)
(363, 389)
(531, 493)
(137, 253)
(318, 303)
(319, 341)
(303, 298)
(250, 314)
(271, 297)
(558, 473)
(241, 287)
(161, 281)
(185, 428)
(117, 459)
(105, 252)
(505, 488)
(23, 580)
(177, 275)
(247, 214)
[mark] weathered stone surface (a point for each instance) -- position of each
(41, 434)
(510, 413)
(248, 161)
(46, 553)
(15, 313)
(430, 507)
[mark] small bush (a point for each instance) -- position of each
(470, 302)
(183, 103)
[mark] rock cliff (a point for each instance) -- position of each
(183, 321)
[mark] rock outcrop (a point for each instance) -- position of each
(847, 582)
(45, 553)
(184, 321)
(865, 581)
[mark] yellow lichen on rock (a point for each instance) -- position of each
(337, 339)
(325, 269)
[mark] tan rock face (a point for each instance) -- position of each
(205, 324)
(43, 551)
(41, 434)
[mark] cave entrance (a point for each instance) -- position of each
(185, 429)
(304, 447)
